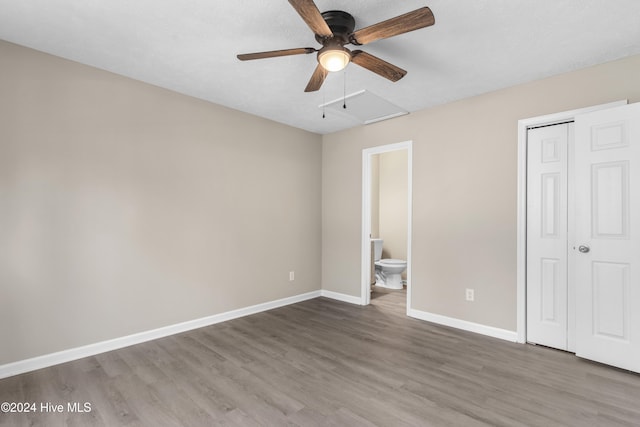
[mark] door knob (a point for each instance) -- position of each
(584, 249)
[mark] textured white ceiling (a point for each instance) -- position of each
(190, 46)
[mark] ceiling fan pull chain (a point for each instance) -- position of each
(324, 104)
(344, 93)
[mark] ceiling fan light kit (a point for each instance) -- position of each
(334, 29)
(334, 58)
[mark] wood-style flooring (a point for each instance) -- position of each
(328, 363)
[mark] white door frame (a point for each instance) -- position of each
(521, 249)
(366, 216)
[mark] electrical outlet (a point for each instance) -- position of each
(469, 294)
(292, 276)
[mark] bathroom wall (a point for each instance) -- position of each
(464, 190)
(392, 204)
(389, 189)
(125, 207)
(375, 196)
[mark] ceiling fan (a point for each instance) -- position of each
(334, 29)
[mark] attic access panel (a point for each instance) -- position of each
(364, 107)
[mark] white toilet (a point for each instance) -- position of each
(388, 271)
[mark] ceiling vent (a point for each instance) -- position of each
(363, 107)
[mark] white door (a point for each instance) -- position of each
(547, 164)
(607, 247)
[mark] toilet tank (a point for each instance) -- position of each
(377, 249)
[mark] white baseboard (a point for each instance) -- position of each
(64, 356)
(502, 334)
(341, 297)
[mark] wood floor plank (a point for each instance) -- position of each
(327, 363)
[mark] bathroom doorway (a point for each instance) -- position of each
(394, 220)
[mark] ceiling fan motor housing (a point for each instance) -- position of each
(341, 24)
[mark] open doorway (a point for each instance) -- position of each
(393, 163)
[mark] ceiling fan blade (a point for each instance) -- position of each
(377, 65)
(309, 12)
(275, 53)
(316, 79)
(411, 21)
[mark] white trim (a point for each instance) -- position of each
(51, 359)
(343, 100)
(571, 237)
(409, 281)
(341, 297)
(477, 328)
(365, 248)
(387, 117)
(521, 239)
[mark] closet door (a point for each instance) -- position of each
(607, 247)
(547, 235)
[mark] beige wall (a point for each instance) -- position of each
(375, 196)
(464, 190)
(392, 204)
(125, 207)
